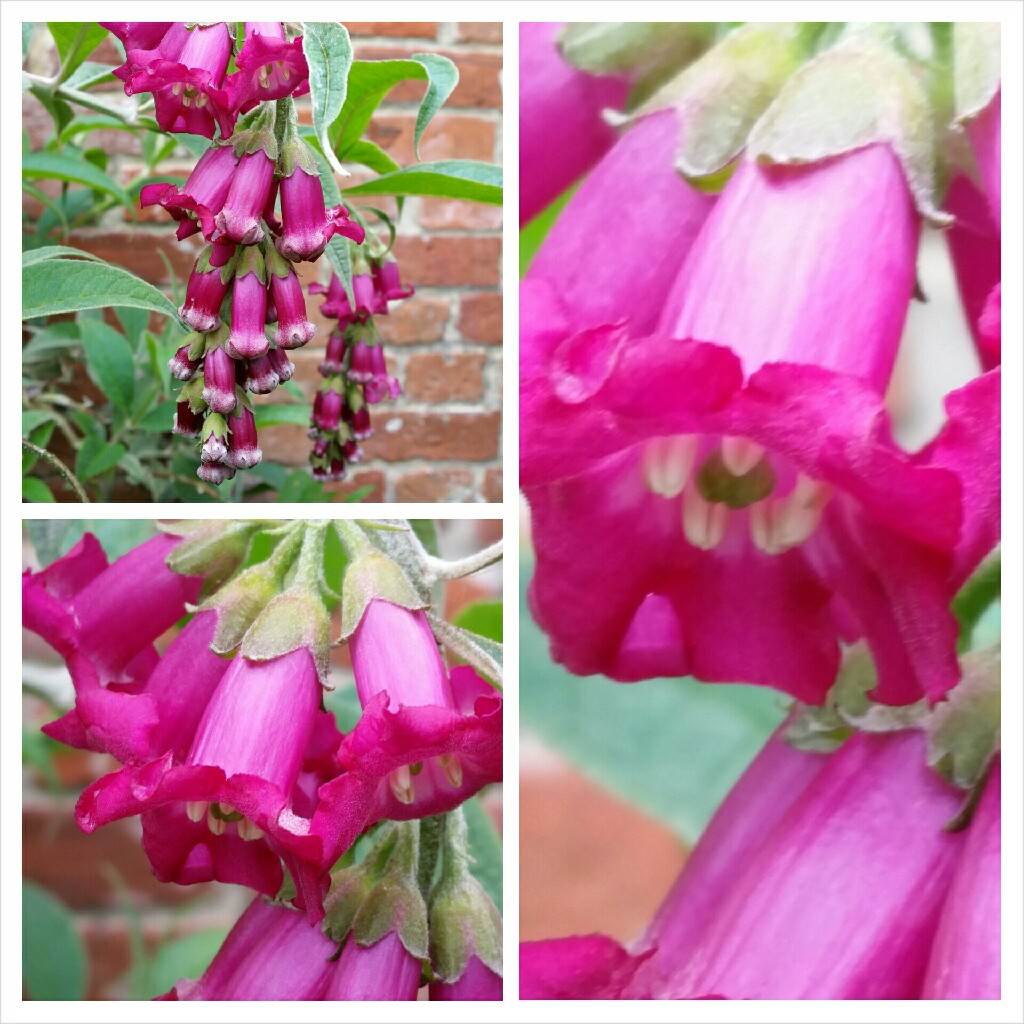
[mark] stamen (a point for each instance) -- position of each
(704, 522)
(762, 531)
(667, 462)
(401, 785)
(202, 100)
(176, 88)
(452, 769)
(265, 75)
(777, 526)
(250, 831)
(740, 454)
(283, 70)
(196, 809)
(217, 825)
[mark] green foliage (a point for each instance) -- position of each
(328, 51)
(485, 847)
(450, 179)
(53, 961)
(482, 617)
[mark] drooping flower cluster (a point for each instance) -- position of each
(244, 281)
(354, 368)
(238, 773)
(184, 66)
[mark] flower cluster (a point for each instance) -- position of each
(355, 372)
(705, 421)
(184, 66)
(235, 768)
(244, 281)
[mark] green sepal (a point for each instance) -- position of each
(214, 424)
(240, 601)
(721, 96)
(857, 94)
(964, 729)
(976, 68)
(212, 548)
(192, 392)
(293, 619)
(256, 131)
(372, 575)
(251, 262)
(295, 153)
(275, 263)
(196, 345)
(395, 903)
(351, 885)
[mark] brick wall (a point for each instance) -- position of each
(441, 440)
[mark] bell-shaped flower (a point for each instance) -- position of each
(562, 133)
(306, 225)
(186, 422)
(283, 366)
(219, 380)
(327, 409)
(248, 339)
(215, 472)
(294, 328)
(199, 200)
(388, 281)
(334, 357)
(239, 217)
(272, 952)
(243, 451)
(269, 67)
(207, 286)
(577, 967)
(261, 378)
(182, 367)
(426, 741)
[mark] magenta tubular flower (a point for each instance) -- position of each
(219, 381)
(204, 294)
(327, 409)
(580, 967)
(215, 472)
(384, 971)
(985, 133)
(199, 200)
(334, 358)
(272, 952)
(360, 423)
(103, 619)
(388, 281)
(146, 43)
(966, 956)
(248, 339)
(478, 984)
(283, 366)
(243, 451)
(269, 67)
(239, 217)
(181, 367)
(261, 378)
(843, 897)
(186, 422)
(380, 385)
(763, 510)
(306, 225)
(562, 134)
(139, 35)
(360, 368)
(425, 743)
(187, 88)
(990, 328)
(293, 326)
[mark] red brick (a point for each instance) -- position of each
(402, 29)
(480, 317)
(469, 436)
(492, 489)
(458, 215)
(356, 481)
(479, 76)
(447, 261)
(417, 321)
(436, 485)
(432, 377)
(478, 32)
(139, 251)
(447, 136)
(286, 444)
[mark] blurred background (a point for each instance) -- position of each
(96, 923)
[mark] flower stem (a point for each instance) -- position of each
(431, 831)
(51, 459)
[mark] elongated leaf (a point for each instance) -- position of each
(66, 286)
(30, 419)
(53, 963)
(35, 490)
(371, 80)
(485, 849)
(187, 957)
(53, 252)
(328, 51)
(75, 40)
(90, 73)
(159, 419)
(452, 179)
(68, 166)
(93, 123)
(280, 415)
(109, 360)
(336, 252)
(369, 154)
(95, 457)
(483, 618)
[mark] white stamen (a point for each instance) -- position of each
(740, 454)
(249, 830)
(176, 88)
(401, 785)
(762, 520)
(704, 522)
(202, 100)
(667, 463)
(777, 526)
(452, 769)
(196, 810)
(218, 826)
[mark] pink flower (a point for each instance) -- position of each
(478, 984)
(199, 200)
(239, 217)
(327, 409)
(272, 952)
(181, 366)
(205, 292)
(219, 376)
(385, 970)
(261, 378)
(248, 339)
(965, 958)
(282, 365)
(334, 358)
(269, 67)
(426, 741)
(722, 506)
(388, 282)
(985, 133)
(243, 451)
(293, 326)
(579, 967)
(562, 134)
(307, 226)
(186, 422)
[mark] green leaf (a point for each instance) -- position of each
(65, 286)
(110, 362)
(75, 40)
(94, 123)
(35, 490)
(452, 179)
(975, 597)
(483, 618)
(197, 145)
(673, 748)
(187, 957)
(279, 415)
(39, 436)
(485, 848)
(134, 321)
(426, 531)
(91, 73)
(532, 235)
(69, 166)
(96, 456)
(328, 51)
(53, 961)
(47, 537)
(442, 76)
(369, 154)
(159, 419)
(53, 252)
(30, 419)
(337, 251)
